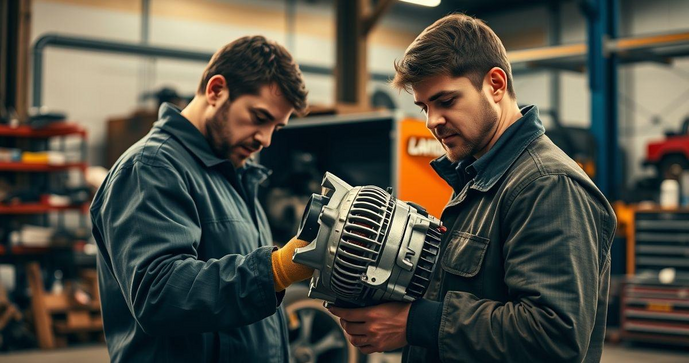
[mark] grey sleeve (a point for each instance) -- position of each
(551, 250)
(148, 223)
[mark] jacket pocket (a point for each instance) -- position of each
(464, 254)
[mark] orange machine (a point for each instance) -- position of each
(416, 180)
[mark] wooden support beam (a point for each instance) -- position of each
(4, 50)
(354, 23)
(15, 26)
(351, 74)
(372, 19)
(23, 45)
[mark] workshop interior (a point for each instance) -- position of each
(82, 81)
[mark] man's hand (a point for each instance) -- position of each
(378, 328)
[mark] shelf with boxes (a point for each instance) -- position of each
(34, 164)
(35, 167)
(44, 202)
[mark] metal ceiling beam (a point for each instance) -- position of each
(553, 53)
(649, 42)
(657, 48)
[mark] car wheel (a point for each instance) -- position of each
(315, 335)
(671, 167)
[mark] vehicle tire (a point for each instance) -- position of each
(672, 166)
(315, 335)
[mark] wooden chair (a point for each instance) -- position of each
(57, 316)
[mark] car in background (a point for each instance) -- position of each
(670, 156)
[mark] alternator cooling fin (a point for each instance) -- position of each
(361, 241)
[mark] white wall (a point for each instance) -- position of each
(89, 87)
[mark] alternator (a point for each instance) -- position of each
(368, 247)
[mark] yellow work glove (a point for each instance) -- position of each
(286, 272)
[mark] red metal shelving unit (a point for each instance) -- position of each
(40, 167)
(38, 208)
(56, 129)
(23, 250)
(39, 139)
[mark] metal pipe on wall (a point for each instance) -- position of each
(147, 66)
(554, 39)
(98, 45)
(291, 20)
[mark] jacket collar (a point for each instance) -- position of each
(489, 168)
(171, 121)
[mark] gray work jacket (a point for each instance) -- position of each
(525, 265)
(184, 254)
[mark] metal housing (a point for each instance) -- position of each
(367, 247)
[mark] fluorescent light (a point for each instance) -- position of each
(429, 3)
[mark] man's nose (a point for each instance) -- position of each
(264, 136)
(434, 119)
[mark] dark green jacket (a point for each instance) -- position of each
(184, 260)
(525, 265)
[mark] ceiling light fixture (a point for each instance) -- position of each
(428, 3)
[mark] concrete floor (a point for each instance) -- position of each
(612, 354)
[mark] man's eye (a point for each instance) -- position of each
(423, 111)
(448, 102)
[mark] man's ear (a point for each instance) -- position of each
(217, 91)
(496, 82)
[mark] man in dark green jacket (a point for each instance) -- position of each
(186, 264)
(524, 268)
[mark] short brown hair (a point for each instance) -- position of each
(251, 62)
(457, 45)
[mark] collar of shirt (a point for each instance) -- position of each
(171, 120)
(488, 169)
